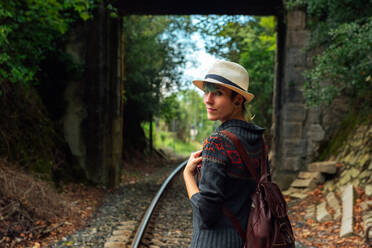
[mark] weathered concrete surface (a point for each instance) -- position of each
(304, 183)
(347, 227)
(334, 203)
(92, 121)
(347, 221)
(299, 193)
(72, 121)
(316, 176)
(328, 167)
(310, 212)
(322, 213)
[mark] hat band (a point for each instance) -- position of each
(223, 80)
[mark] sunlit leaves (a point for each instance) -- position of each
(82, 7)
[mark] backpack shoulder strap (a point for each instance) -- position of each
(246, 161)
(245, 158)
(264, 170)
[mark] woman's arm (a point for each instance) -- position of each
(208, 195)
(189, 173)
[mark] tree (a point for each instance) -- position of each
(250, 41)
(343, 31)
(153, 56)
(29, 30)
(257, 57)
(170, 109)
(186, 109)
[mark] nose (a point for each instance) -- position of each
(208, 98)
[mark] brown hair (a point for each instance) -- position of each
(246, 112)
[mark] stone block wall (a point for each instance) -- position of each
(297, 131)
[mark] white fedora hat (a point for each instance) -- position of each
(230, 75)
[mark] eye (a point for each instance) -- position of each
(219, 93)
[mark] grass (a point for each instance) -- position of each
(168, 140)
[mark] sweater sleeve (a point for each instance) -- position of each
(208, 202)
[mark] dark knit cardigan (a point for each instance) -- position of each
(225, 181)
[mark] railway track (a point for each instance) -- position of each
(167, 221)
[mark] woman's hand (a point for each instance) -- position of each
(194, 160)
(189, 172)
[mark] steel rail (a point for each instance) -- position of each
(142, 227)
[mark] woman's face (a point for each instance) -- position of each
(219, 104)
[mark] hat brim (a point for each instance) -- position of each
(199, 83)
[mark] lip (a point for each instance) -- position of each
(211, 109)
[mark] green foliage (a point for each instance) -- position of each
(31, 33)
(344, 66)
(258, 58)
(168, 140)
(343, 29)
(170, 109)
(152, 58)
(193, 107)
(250, 41)
(30, 29)
(188, 111)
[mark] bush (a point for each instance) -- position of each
(343, 31)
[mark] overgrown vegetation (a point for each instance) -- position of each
(169, 141)
(342, 31)
(31, 33)
(180, 113)
(28, 136)
(250, 41)
(189, 114)
(154, 56)
(30, 29)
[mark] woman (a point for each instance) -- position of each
(224, 181)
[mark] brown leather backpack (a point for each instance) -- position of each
(268, 223)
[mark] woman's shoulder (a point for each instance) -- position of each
(215, 138)
(240, 124)
(216, 147)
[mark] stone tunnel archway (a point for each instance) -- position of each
(93, 123)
